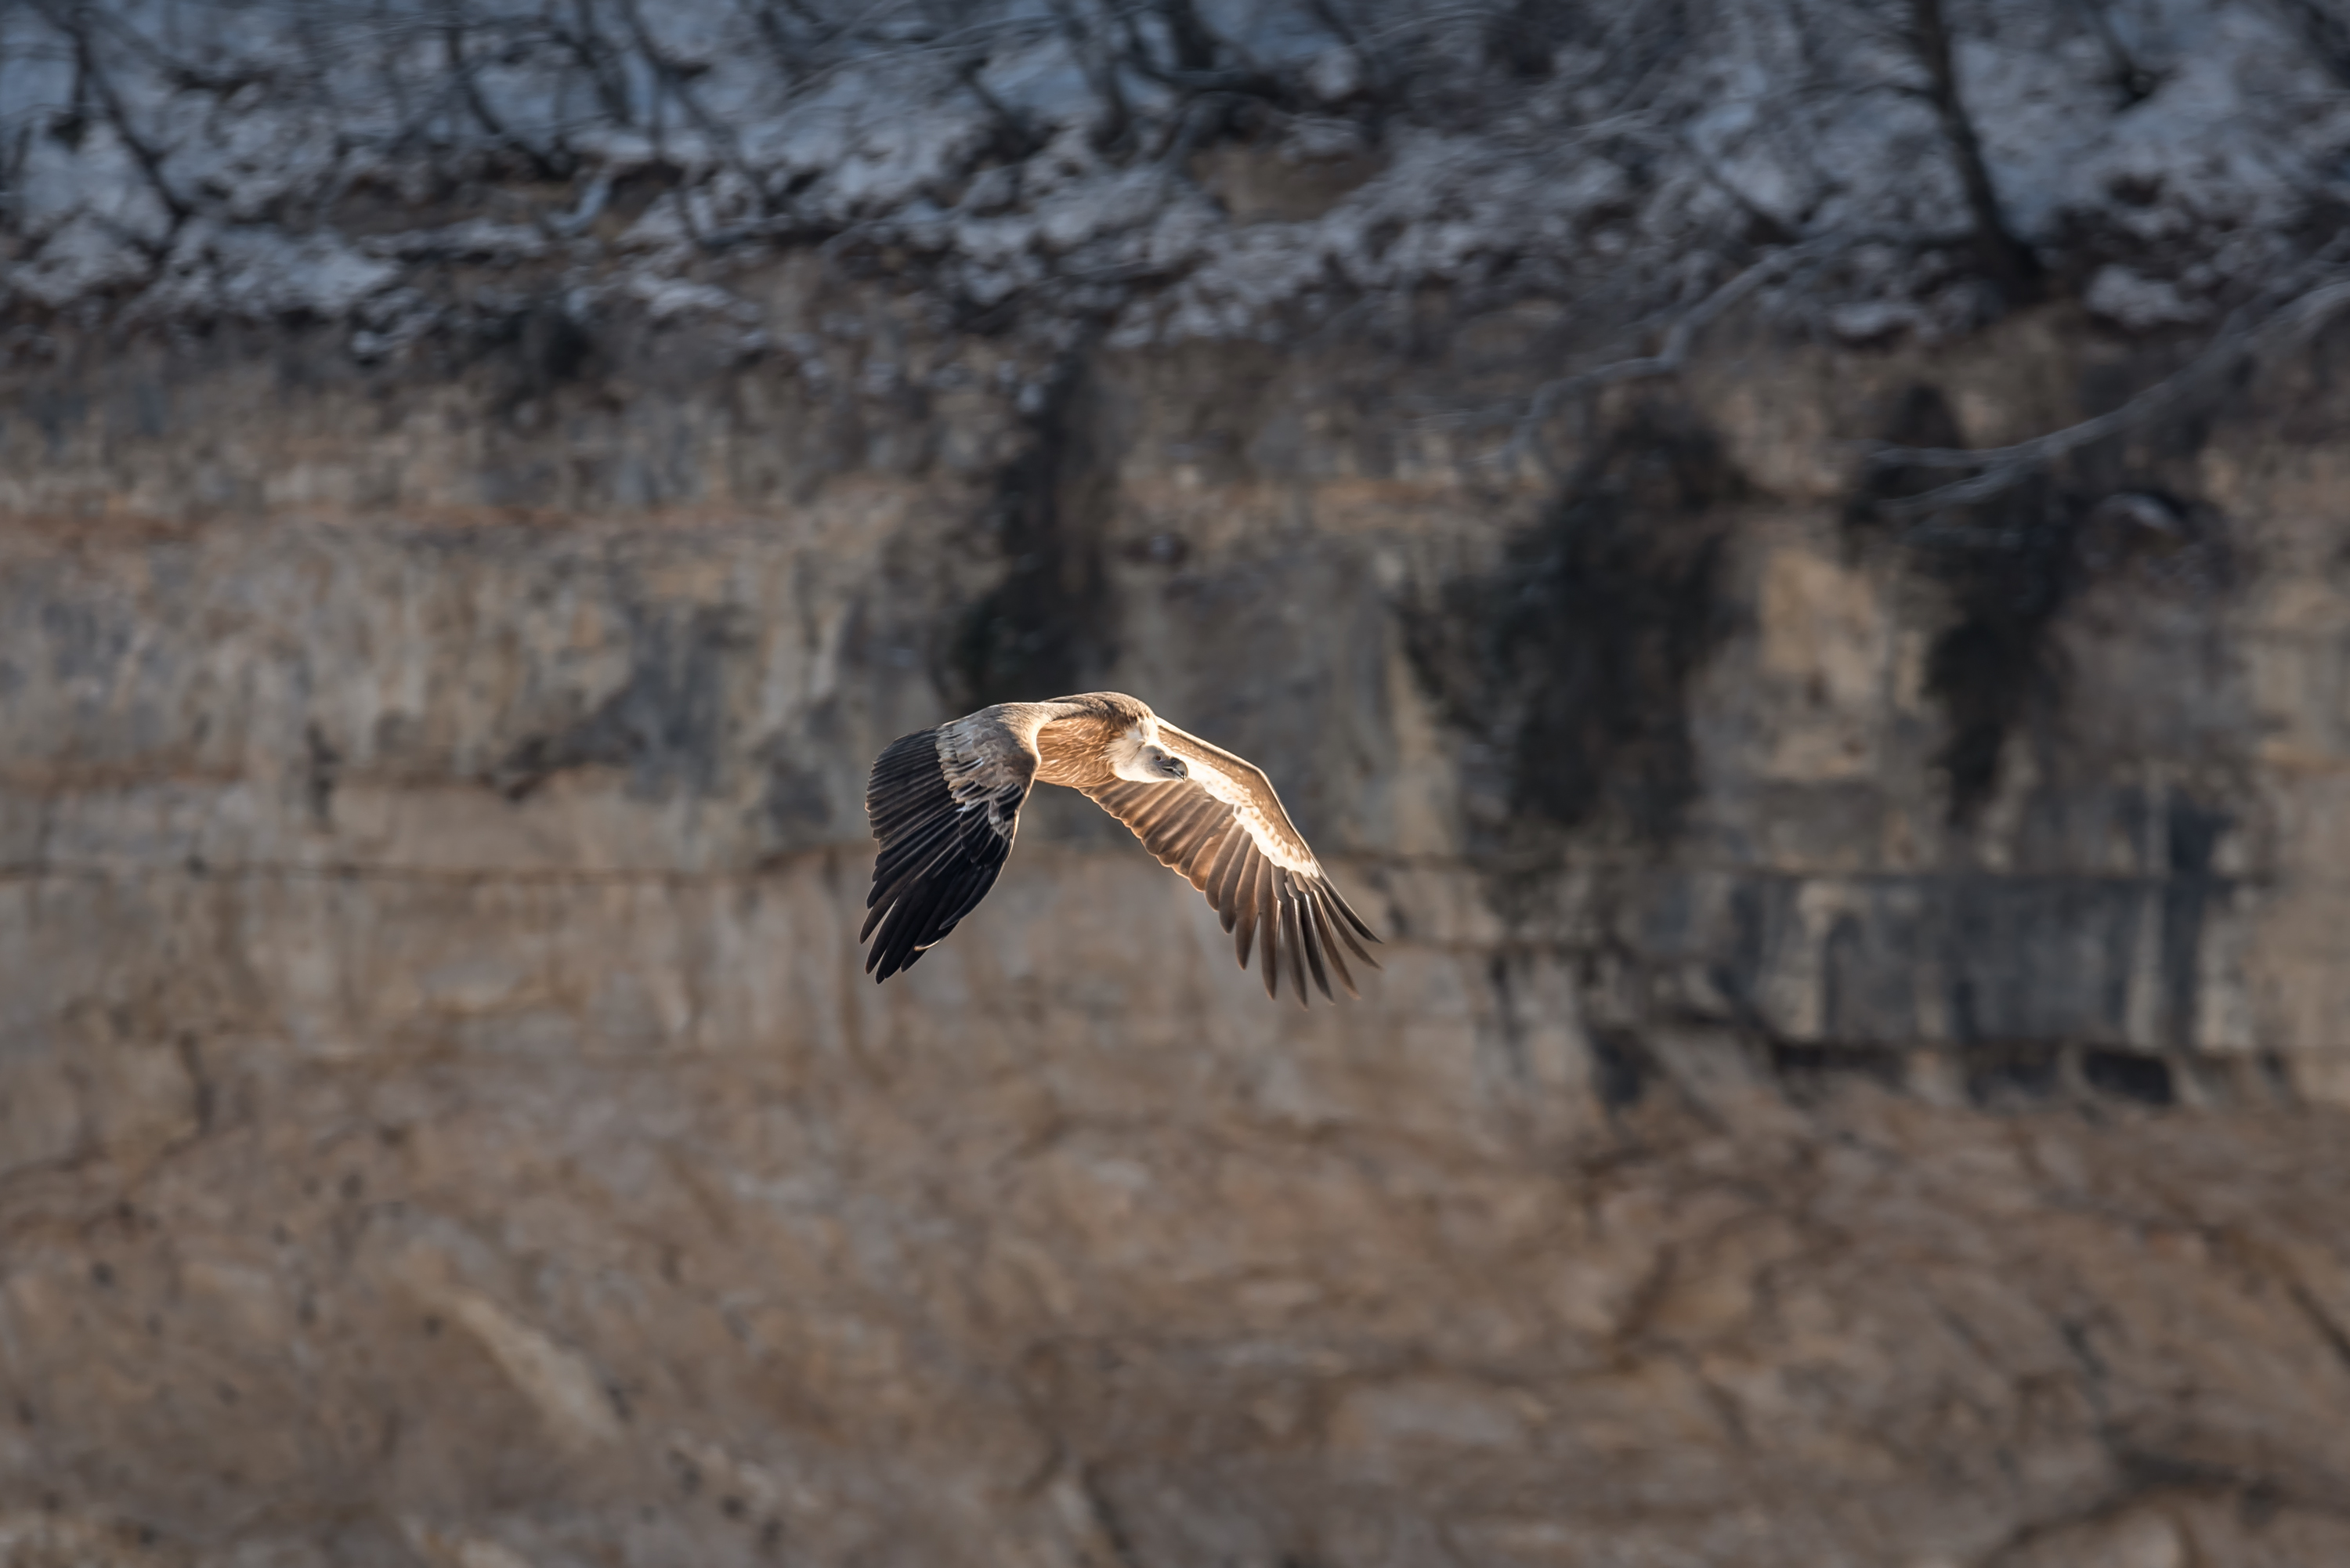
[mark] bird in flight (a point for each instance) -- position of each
(945, 803)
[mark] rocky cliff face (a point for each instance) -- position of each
(1854, 1080)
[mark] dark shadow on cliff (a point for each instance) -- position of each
(1568, 668)
(666, 726)
(1044, 628)
(2008, 566)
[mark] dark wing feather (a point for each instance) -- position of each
(945, 804)
(1224, 829)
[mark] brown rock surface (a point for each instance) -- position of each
(443, 1121)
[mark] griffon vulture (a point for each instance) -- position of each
(945, 803)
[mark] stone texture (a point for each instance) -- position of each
(443, 1121)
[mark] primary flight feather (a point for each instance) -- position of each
(945, 804)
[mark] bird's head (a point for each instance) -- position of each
(1138, 759)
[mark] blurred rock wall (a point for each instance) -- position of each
(1854, 1079)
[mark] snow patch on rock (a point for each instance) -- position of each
(1046, 158)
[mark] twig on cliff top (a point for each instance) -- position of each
(74, 23)
(1668, 360)
(2003, 467)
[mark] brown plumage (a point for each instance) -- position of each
(945, 804)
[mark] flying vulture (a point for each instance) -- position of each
(945, 803)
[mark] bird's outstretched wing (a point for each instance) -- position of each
(1223, 828)
(944, 803)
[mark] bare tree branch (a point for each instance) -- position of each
(1016, 138)
(461, 65)
(72, 21)
(598, 56)
(2002, 468)
(1670, 357)
(2008, 261)
(2131, 78)
(1100, 67)
(720, 137)
(2324, 30)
